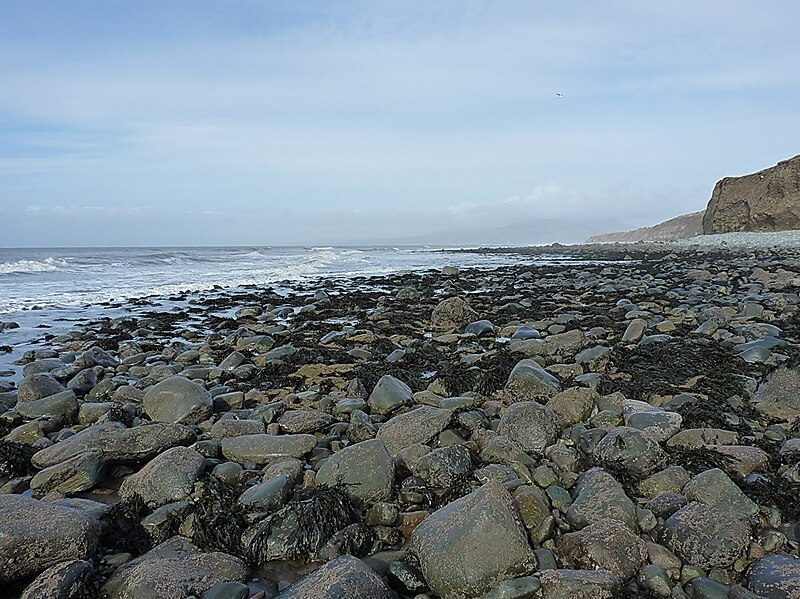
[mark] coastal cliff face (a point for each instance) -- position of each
(768, 200)
(680, 227)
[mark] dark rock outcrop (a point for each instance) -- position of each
(768, 200)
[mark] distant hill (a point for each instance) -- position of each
(680, 227)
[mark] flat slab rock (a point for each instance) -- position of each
(469, 546)
(35, 535)
(346, 576)
(116, 443)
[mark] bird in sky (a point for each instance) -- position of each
(559, 95)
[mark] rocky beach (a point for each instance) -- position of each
(623, 422)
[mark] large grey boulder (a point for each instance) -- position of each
(452, 313)
(631, 450)
(37, 386)
(116, 443)
(443, 467)
(388, 395)
(35, 536)
(166, 478)
(472, 544)
(177, 400)
(176, 568)
(262, 449)
(606, 545)
(705, 536)
(420, 425)
(778, 397)
(528, 381)
(775, 576)
(530, 425)
(365, 469)
(346, 576)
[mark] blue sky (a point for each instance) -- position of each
(310, 122)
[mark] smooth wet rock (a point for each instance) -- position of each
(452, 313)
(116, 443)
(528, 381)
(388, 395)
(419, 425)
(35, 536)
(366, 469)
(472, 544)
(38, 386)
(775, 576)
(177, 400)
(63, 404)
(74, 475)
(166, 478)
(573, 405)
(346, 576)
(605, 545)
(705, 536)
(263, 448)
(480, 328)
(530, 425)
(635, 331)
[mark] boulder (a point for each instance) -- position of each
(443, 467)
(304, 421)
(605, 545)
(62, 581)
(530, 425)
(775, 576)
(166, 478)
(346, 576)
(176, 568)
(472, 544)
(768, 200)
(366, 469)
(37, 386)
(35, 536)
(116, 443)
(262, 449)
(74, 475)
(388, 395)
(177, 400)
(706, 537)
(420, 425)
(63, 404)
(528, 381)
(777, 397)
(452, 313)
(631, 450)
(600, 496)
(580, 584)
(714, 488)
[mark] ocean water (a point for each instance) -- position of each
(49, 291)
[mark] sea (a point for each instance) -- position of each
(48, 291)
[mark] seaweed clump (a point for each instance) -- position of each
(699, 459)
(218, 520)
(776, 491)
(486, 378)
(15, 459)
(315, 516)
(122, 527)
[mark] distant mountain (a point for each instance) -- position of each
(680, 227)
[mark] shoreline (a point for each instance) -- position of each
(288, 392)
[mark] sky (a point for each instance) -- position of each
(244, 122)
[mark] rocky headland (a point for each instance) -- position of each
(622, 423)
